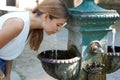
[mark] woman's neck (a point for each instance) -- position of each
(35, 21)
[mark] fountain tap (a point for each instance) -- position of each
(95, 47)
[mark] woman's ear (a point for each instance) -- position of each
(46, 16)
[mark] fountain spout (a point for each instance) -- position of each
(95, 47)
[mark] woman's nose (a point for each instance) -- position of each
(58, 29)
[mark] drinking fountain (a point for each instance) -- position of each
(63, 66)
(87, 57)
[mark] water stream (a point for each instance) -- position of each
(113, 40)
(55, 44)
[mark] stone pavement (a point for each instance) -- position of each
(28, 67)
(15, 76)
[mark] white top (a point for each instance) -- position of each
(13, 49)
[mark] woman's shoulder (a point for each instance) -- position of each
(23, 15)
(11, 28)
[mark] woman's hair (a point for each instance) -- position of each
(56, 9)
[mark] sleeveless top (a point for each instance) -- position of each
(14, 47)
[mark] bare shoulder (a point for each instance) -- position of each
(14, 22)
(11, 28)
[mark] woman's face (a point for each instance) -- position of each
(51, 26)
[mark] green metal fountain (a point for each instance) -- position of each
(87, 57)
(88, 31)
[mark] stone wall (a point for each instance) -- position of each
(110, 4)
(107, 4)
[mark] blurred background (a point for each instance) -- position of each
(29, 4)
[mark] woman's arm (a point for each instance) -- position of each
(1, 74)
(8, 70)
(11, 28)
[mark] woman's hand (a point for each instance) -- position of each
(1, 73)
(6, 78)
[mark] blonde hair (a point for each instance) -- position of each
(56, 9)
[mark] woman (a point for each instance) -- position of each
(18, 28)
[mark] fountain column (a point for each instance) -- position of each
(88, 27)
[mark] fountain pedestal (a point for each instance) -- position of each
(88, 28)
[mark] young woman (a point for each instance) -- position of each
(19, 28)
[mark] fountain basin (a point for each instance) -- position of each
(117, 49)
(60, 64)
(111, 52)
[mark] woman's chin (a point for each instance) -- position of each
(50, 33)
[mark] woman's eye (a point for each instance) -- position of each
(58, 25)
